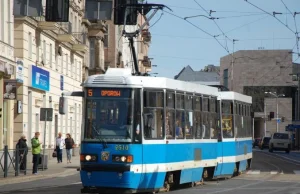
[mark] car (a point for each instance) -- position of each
(264, 143)
(256, 142)
(281, 142)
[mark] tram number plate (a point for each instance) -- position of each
(121, 147)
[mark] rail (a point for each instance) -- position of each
(13, 161)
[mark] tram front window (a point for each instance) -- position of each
(109, 119)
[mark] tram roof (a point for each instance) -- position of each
(121, 77)
(227, 95)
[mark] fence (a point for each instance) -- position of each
(13, 162)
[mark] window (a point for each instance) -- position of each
(197, 117)
(30, 45)
(50, 55)
(154, 114)
(92, 52)
(110, 118)
(180, 116)
(206, 120)
(80, 71)
(215, 129)
(9, 34)
(106, 37)
(44, 51)
(62, 63)
(225, 78)
(67, 64)
(227, 119)
(75, 68)
(189, 117)
(2, 20)
(170, 115)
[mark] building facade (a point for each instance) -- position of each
(55, 58)
(255, 72)
(7, 73)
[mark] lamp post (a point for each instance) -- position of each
(280, 95)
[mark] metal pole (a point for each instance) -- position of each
(298, 99)
(253, 128)
(5, 160)
(44, 140)
(277, 114)
(265, 120)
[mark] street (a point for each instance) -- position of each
(270, 173)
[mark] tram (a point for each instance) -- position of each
(148, 134)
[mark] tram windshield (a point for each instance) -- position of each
(109, 115)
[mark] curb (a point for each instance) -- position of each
(29, 178)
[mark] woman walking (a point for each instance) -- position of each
(69, 146)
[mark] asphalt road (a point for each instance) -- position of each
(274, 173)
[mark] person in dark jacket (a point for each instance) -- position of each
(69, 142)
(23, 150)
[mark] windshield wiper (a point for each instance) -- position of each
(104, 144)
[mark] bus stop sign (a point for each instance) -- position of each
(46, 114)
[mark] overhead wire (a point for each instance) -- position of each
(296, 33)
(207, 33)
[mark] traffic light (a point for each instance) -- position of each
(0, 112)
(271, 115)
(63, 105)
(282, 119)
(57, 10)
(119, 12)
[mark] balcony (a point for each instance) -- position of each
(146, 62)
(65, 33)
(43, 25)
(98, 28)
(80, 44)
(146, 35)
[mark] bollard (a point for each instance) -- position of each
(17, 161)
(5, 161)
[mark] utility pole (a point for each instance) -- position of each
(265, 131)
(232, 63)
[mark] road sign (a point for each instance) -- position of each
(278, 120)
(46, 114)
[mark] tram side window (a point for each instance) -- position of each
(153, 115)
(215, 130)
(197, 117)
(170, 115)
(238, 120)
(227, 119)
(206, 118)
(180, 117)
(189, 117)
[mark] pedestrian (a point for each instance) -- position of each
(36, 151)
(22, 149)
(60, 142)
(69, 147)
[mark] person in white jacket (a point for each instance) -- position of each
(60, 142)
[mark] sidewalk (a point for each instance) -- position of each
(54, 170)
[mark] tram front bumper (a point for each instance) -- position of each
(98, 176)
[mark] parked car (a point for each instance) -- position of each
(256, 142)
(264, 143)
(280, 141)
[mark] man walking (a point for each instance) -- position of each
(36, 151)
(60, 142)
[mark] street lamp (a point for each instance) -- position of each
(280, 95)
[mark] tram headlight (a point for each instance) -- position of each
(123, 158)
(88, 158)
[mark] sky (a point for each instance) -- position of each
(176, 43)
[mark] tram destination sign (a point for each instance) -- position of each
(109, 92)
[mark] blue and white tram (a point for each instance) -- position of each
(148, 133)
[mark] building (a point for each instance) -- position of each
(7, 73)
(207, 76)
(255, 72)
(55, 60)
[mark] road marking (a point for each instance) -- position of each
(253, 172)
(273, 172)
(78, 183)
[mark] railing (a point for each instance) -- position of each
(66, 27)
(80, 37)
(13, 161)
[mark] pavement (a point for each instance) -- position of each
(54, 170)
(271, 173)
